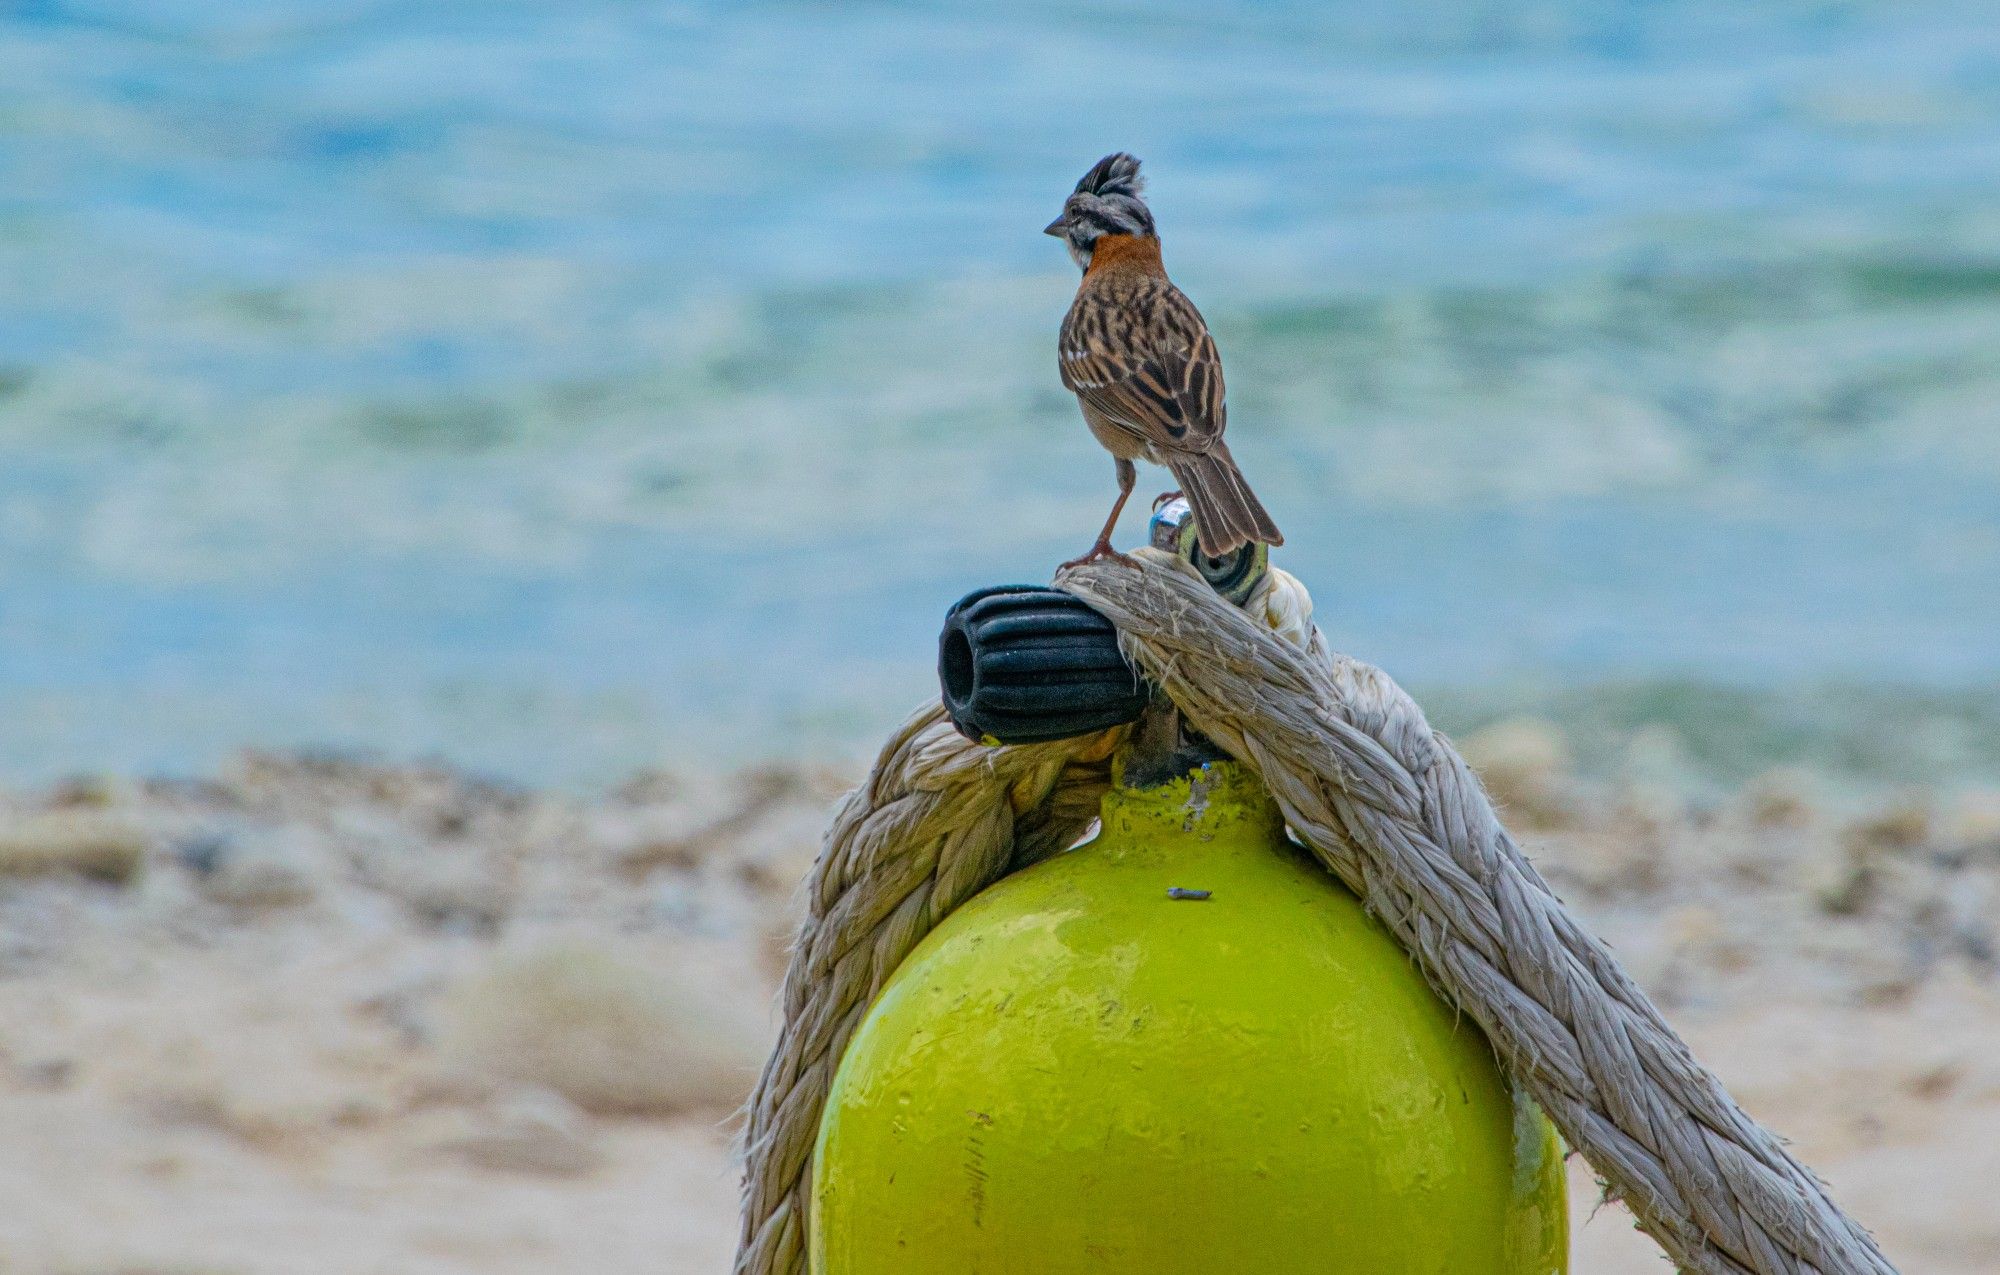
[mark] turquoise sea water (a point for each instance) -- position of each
(562, 388)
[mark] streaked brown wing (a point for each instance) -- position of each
(1144, 358)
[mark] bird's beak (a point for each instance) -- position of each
(1056, 227)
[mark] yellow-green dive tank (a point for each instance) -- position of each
(1079, 1072)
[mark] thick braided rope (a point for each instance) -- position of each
(938, 819)
(1391, 808)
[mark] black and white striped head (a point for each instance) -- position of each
(1106, 202)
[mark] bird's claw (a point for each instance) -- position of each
(1101, 552)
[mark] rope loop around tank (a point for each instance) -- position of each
(1391, 809)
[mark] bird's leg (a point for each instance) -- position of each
(1166, 497)
(1128, 478)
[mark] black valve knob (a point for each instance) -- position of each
(1021, 664)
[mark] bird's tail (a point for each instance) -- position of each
(1226, 512)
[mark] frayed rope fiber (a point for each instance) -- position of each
(1391, 809)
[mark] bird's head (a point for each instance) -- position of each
(1107, 202)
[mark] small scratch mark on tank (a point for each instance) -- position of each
(975, 1166)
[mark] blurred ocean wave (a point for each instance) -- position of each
(557, 387)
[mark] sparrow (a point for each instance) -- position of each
(1143, 367)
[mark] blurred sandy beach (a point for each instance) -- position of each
(317, 1015)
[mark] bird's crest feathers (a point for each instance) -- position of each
(1106, 202)
(1115, 174)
